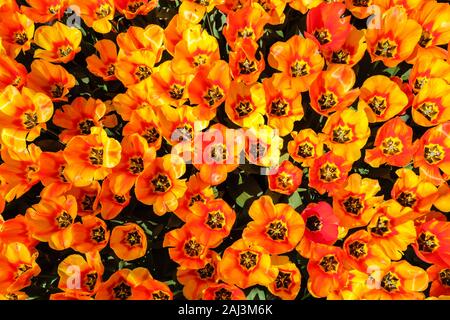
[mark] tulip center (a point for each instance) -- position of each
(305, 150)
(54, 9)
(151, 135)
(20, 38)
(313, 223)
(341, 56)
(419, 83)
(64, 220)
(133, 238)
(391, 146)
(390, 282)
(257, 150)
(120, 199)
(299, 68)
(122, 291)
(202, 2)
(21, 269)
(143, 72)
(96, 156)
(91, 280)
(284, 180)
(407, 199)
(17, 81)
(382, 227)
(133, 6)
(64, 51)
(184, 133)
(283, 280)
(433, 153)
(160, 295)
(279, 108)
(30, 120)
(353, 205)
(247, 32)
(111, 70)
(136, 165)
(248, 260)
(103, 11)
(200, 59)
(11, 296)
(425, 39)
(215, 220)
(247, 66)
(244, 108)
(98, 234)
(196, 198)
(213, 95)
(192, 248)
(357, 249)
(277, 230)
(161, 183)
(427, 242)
(386, 48)
(223, 294)
(429, 110)
(61, 175)
(342, 134)
(176, 92)
(361, 3)
(206, 272)
(378, 105)
(322, 35)
(87, 203)
(327, 101)
(329, 172)
(219, 152)
(57, 90)
(329, 263)
(30, 171)
(85, 126)
(444, 277)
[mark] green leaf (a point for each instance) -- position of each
(405, 76)
(242, 199)
(295, 200)
(392, 71)
(256, 292)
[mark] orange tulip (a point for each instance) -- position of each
(22, 116)
(79, 117)
(16, 33)
(185, 249)
(80, 276)
(288, 281)
(87, 199)
(440, 280)
(277, 228)
(51, 173)
(160, 184)
(286, 179)
(112, 203)
(396, 38)
(18, 265)
(306, 147)
(381, 98)
(223, 291)
(283, 104)
(50, 79)
(51, 221)
(245, 264)
(103, 65)
(45, 11)
(146, 123)
(16, 230)
(332, 90)
(210, 222)
(433, 242)
(195, 281)
(245, 63)
(298, 59)
(393, 145)
(355, 203)
(128, 241)
(89, 236)
(351, 51)
(131, 8)
(97, 14)
(59, 43)
(11, 72)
